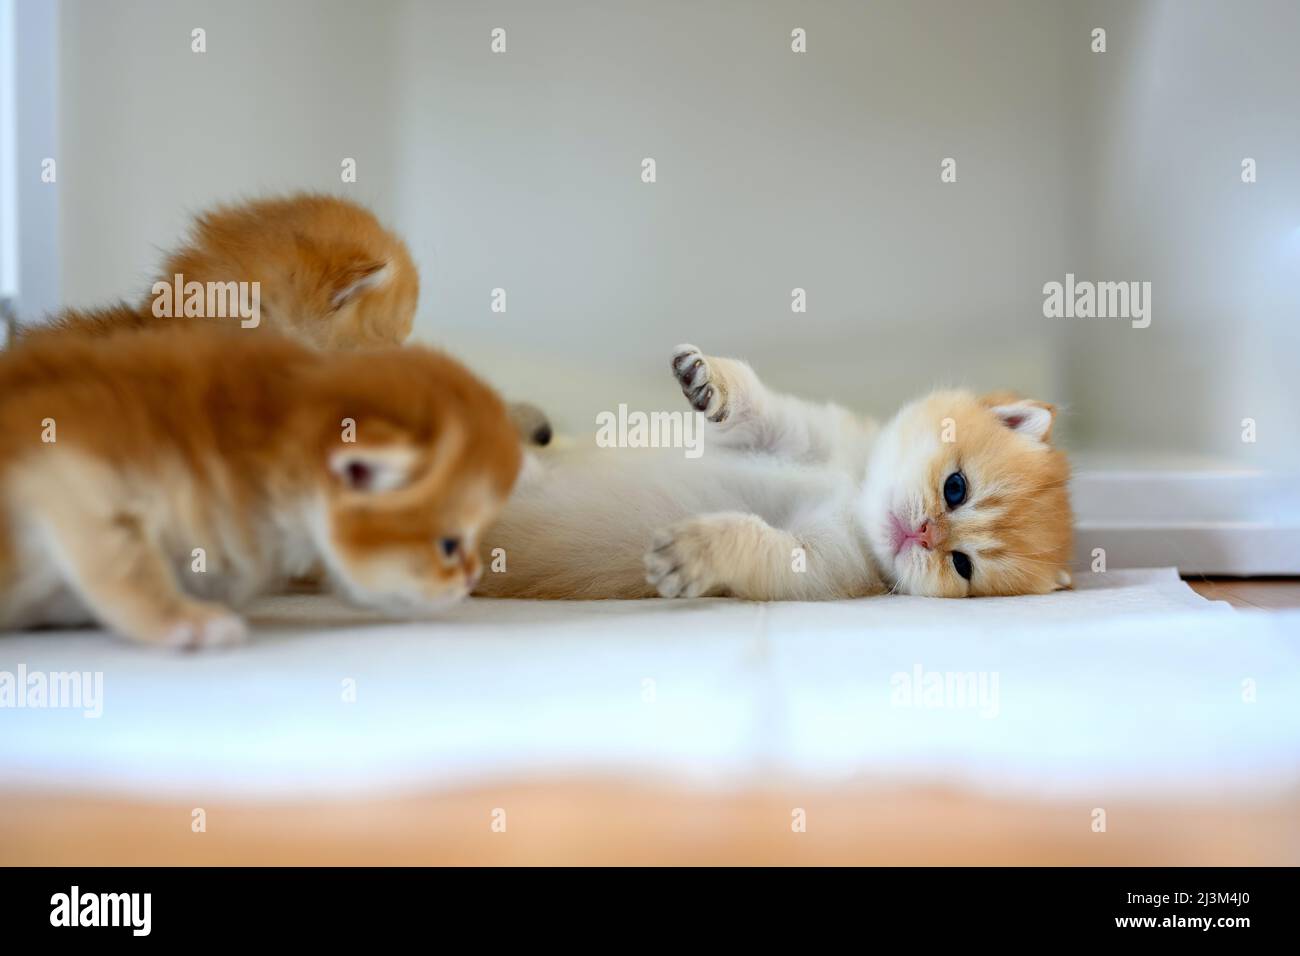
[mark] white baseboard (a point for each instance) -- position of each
(1201, 521)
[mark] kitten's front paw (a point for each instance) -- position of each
(705, 390)
(679, 563)
(200, 625)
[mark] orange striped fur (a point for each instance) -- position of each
(120, 455)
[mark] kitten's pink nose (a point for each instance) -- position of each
(928, 535)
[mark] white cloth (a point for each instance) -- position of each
(1131, 681)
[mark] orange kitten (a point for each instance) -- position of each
(149, 481)
(796, 500)
(328, 274)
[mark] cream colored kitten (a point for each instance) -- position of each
(796, 500)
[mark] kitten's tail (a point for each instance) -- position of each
(532, 424)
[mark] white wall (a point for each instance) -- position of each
(29, 207)
(153, 132)
(8, 151)
(775, 170)
(1186, 90)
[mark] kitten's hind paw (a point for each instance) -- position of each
(705, 390)
(677, 563)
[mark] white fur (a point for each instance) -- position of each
(790, 500)
(891, 485)
(372, 280)
(770, 511)
(1028, 418)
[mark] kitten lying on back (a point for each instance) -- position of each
(120, 456)
(330, 275)
(794, 500)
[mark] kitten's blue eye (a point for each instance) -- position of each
(954, 489)
(962, 564)
(449, 547)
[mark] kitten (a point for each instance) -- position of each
(329, 274)
(149, 481)
(795, 500)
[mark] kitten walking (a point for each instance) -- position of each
(152, 481)
(796, 500)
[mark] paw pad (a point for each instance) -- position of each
(675, 563)
(691, 369)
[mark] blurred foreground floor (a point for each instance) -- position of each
(595, 820)
(611, 823)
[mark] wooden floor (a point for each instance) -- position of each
(1269, 594)
(611, 822)
(626, 822)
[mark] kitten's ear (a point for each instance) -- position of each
(385, 457)
(1032, 419)
(373, 468)
(358, 278)
(373, 457)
